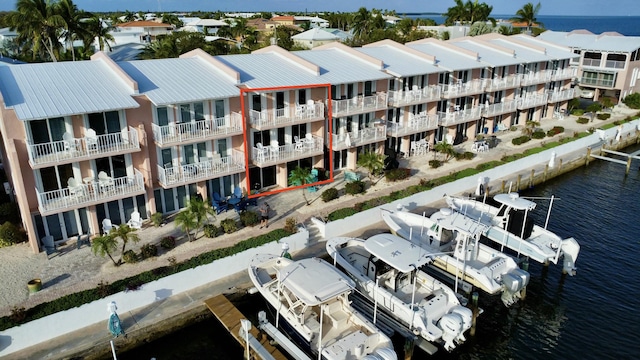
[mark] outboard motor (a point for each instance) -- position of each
(385, 354)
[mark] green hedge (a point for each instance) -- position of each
(329, 194)
(74, 300)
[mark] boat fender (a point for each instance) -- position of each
(385, 354)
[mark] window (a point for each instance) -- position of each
(163, 116)
(105, 123)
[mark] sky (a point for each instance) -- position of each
(500, 7)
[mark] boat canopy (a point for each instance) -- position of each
(314, 280)
(455, 221)
(399, 253)
(514, 201)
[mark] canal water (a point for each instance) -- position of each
(593, 315)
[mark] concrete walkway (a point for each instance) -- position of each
(177, 299)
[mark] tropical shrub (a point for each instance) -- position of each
(329, 194)
(11, 234)
(354, 187)
(603, 116)
(229, 226)
(582, 120)
(341, 214)
(520, 140)
(555, 130)
(577, 112)
(130, 257)
(290, 225)
(435, 163)
(9, 212)
(210, 230)
(148, 250)
(249, 218)
(157, 218)
(168, 242)
(397, 174)
(538, 134)
(467, 155)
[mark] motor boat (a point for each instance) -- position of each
(311, 296)
(454, 240)
(385, 269)
(508, 225)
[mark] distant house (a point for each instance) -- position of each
(341, 34)
(314, 38)
(210, 26)
(6, 35)
(284, 20)
(262, 25)
(609, 63)
(390, 19)
(146, 30)
(314, 21)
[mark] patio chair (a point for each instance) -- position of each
(91, 139)
(69, 142)
(49, 245)
(135, 222)
(274, 149)
(106, 226)
(237, 192)
(311, 108)
(75, 188)
(262, 152)
(299, 144)
(105, 181)
(218, 203)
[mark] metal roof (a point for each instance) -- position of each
(523, 53)
(448, 59)
(589, 41)
(268, 70)
(181, 80)
(46, 90)
(339, 67)
(554, 50)
(491, 57)
(401, 63)
(316, 34)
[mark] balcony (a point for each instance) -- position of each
(504, 107)
(365, 136)
(509, 82)
(272, 155)
(537, 77)
(591, 62)
(460, 116)
(79, 149)
(359, 105)
(607, 83)
(90, 193)
(269, 119)
(614, 64)
(532, 100)
(211, 168)
(460, 88)
(562, 95)
(415, 96)
(197, 131)
(564, 74)
(415, 124)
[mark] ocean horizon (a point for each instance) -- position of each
(625, 25)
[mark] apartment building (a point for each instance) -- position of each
(92, 140)
(607, 64)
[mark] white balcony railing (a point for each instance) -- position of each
(463, 88)
(460, 116)
(358, 138)
(413, 125)
(270, 155)
(537, 77)
(614, 64)
(203, 170)
(507, 82)
(279, 117)
(415, 96)
(597, 82)
(504, 107)
(89, 193)
(591, 62)
(197, 130)
(562, 95)
(359, 104)
(532, 100)
(77, 149)
(564, 74)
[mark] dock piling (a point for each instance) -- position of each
(474, 309)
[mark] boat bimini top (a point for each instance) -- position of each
(314, 281)
(513, 200)
(399, 253)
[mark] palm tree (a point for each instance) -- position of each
(371, 161)
(528, 15)
(38, 26)
(172, 19)
(445, 148)
(74, 28)
(186, 220)
(530, 127)
(105, 245)
(300, 176)
(126, 234)
(201, 211)
(98, 29)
